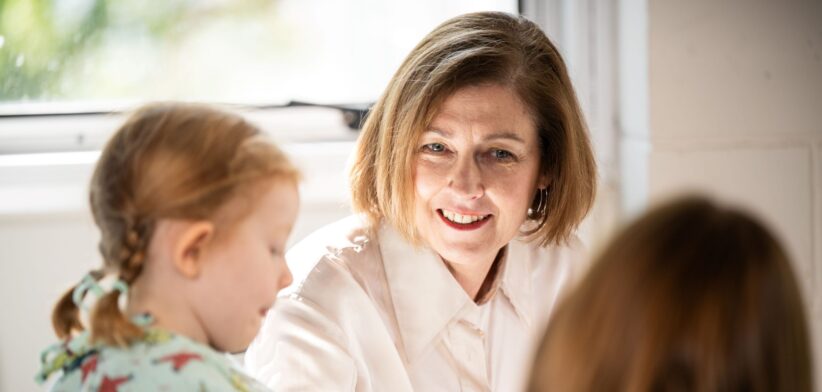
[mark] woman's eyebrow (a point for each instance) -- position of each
(505, 135)
(439, 131)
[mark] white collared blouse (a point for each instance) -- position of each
(370, 312)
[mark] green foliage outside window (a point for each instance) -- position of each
(52, 50)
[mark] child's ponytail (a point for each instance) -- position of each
(110, 325)
(108, 322)
(65, 318)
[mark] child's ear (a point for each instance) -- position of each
(190, 246)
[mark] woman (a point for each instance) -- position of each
(471, 173)
(692, 297)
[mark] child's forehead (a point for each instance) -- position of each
(280, 200)
(273, 207)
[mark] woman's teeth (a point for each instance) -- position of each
(462, 219)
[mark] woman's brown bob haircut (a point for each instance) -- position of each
(168, 161)
(692, 297)
(478, 48)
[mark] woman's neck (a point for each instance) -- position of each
(476, 279)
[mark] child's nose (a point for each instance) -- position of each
(286, 278)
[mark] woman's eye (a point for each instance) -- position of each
(434, 147)
(502, 155)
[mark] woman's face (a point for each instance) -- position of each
(475, 173)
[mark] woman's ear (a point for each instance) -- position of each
(543, 181)
(190, 247)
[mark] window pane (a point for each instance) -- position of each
(237, 51)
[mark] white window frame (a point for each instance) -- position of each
(585, 32)
(588, 34)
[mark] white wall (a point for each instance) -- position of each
(735, 110)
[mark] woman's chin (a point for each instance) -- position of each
(466, 252)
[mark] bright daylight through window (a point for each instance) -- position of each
(108, 53)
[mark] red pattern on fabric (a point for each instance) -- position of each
(89, 365)
(111, 384)
(180, 359)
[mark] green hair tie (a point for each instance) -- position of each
(90, 284)
(120, 286)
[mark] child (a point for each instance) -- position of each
(194, 208)
(692, 297)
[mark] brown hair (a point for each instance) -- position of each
(477, 48)
(168, 160)
(692, 297)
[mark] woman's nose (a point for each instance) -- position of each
(466, 178)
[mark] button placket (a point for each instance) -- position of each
(471, 341)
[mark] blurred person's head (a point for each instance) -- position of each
(691, 297)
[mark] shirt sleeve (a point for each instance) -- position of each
(299, 348)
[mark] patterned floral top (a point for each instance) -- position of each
(161, 361)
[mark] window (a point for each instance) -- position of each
(109, 53)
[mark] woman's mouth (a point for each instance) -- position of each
(463, 221)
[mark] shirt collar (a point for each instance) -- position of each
(515, 280)
(426, 297)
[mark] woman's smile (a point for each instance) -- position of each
(464, 221)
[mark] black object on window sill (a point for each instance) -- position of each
(353, 114)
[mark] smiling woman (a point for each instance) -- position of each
(476, 166)
(470, 176)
